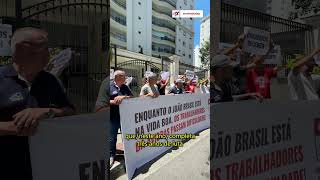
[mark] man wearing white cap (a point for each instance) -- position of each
(221, 89)
(178, 88)
(150, 89)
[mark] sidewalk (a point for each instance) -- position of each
(191, 162)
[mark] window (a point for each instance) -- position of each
(184, 44)
(139, 17)
(139, 3)
(189, 56)
(139, 32)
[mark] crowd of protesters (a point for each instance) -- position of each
(235, 77)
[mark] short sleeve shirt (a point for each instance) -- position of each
(115, 91)
(146, 89)
(15, 96)
(103, 96)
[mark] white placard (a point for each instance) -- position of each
(5, 36)
(177, 114)
(165, 75)
(189, 74)
(111, 73)
(257, 41)
(147, 73)
(72, 147)
(274, 57)
(60, 61)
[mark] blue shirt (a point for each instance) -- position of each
(15, 96)
(115, 91)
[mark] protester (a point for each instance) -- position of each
(118, 92)
(150, 89)
(28, 94)
(102, 103)
(191, 86)
(162, 84)
(177, 88)
(222, 88)
(301, 84)
(259, 79)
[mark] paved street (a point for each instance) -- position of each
(189, 162)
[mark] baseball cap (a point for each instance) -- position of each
(220, 61)
(179, 81)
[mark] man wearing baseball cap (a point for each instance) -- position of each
(177, 88)
(222, 89)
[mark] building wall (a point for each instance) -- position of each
(256, 5)
(139, 23)
(185, 33)
(204, 30)
(279, 8)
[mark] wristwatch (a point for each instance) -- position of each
(50, 113)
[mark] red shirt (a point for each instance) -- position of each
(260, 84)
(190, 87)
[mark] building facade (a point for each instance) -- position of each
(147, 27)
(204, 30)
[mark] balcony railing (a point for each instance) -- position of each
(120, 37)
(163, 24)
(120, 3)
(118, 18)
(164, 38)
(171, 2)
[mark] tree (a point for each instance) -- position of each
(204, 54)
(303, 7)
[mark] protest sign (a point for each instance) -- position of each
(60, 61)
(257, 41)
(111, 73)
(73, 147)
(147, 73)
(5, 36)
(165, 115)
(274, 57)
(164, 75)
(252, 143)
(189, 74)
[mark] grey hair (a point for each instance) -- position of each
(25, 34)
(118, 72)
(151, 76)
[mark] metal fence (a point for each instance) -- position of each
(82, 26)
(294, 38)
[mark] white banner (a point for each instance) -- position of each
(5, 36)
(74, 147)
(249, 142)
(274, 57)
(177, 114)
(257, 41)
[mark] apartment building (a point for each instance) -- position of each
(147, 27)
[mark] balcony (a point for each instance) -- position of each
(163, 6)
(163, 29)
(165, 17)
(118, 26)
(118, 7)
(163, 23)
(117, 42)
(163, 42)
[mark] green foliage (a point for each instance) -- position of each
(205, 54)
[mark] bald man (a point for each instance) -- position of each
(28, 94)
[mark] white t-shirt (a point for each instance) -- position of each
(302, 87)
(146, 89)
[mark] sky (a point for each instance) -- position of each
(200, 5)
